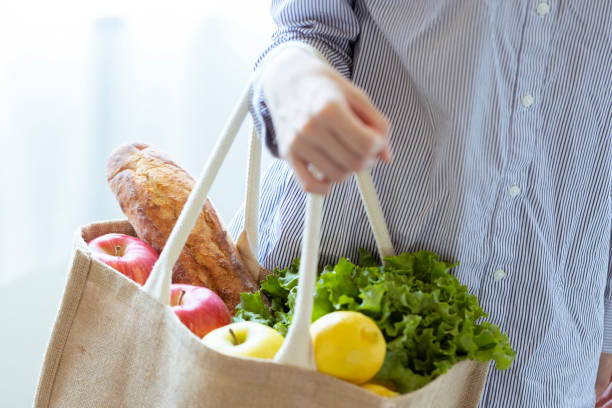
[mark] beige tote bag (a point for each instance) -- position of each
(116, 344)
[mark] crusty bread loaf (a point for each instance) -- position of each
(152, 190)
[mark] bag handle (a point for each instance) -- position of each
(251, 201)
(366, 189)
(375, 214)
(297, 348)
(158, 283)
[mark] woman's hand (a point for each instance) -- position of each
(321, 119)
(603, 384)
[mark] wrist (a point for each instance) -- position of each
(286, 70)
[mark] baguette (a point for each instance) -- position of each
(151, 190)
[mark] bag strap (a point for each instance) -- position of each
(158, 283)
(251, 201)
(366, 189)
(375, 214)
(297, 349)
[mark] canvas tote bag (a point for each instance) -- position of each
(117, 344)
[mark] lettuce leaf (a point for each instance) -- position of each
(430, 321)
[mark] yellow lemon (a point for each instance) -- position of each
(380, 390)
(348, 345)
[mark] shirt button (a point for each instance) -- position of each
(499, 274)
(527, 100)
(543, 8)
(514, 191)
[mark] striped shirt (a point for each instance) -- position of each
(501, 116)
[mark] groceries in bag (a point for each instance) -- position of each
(425, 321)
(152, 190)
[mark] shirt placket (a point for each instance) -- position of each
(523, 134)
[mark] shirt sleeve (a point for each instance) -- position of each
(607, 335)
(328, 26)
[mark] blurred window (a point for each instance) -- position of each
(79, 78)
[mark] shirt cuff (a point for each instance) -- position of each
(607, 331)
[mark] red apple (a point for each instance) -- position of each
(129, 255)
(199, 308)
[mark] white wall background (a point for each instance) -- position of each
(78, 78)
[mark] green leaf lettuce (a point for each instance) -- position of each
(430, 321)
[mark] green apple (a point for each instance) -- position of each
(245, 339)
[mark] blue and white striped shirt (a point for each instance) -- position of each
(502, 139)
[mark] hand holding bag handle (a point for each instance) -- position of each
(297, 349)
